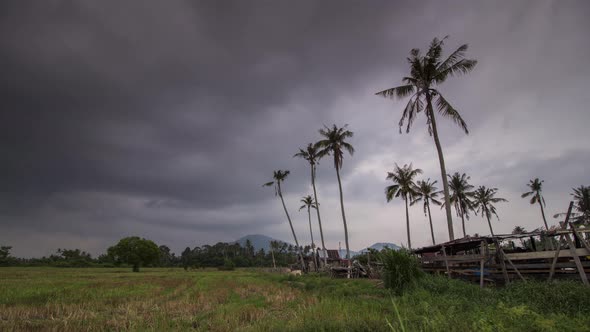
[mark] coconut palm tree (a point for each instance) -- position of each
(278, 177)
(309, 203)
(404, 187)
(483, 200)
(427, 192)
(427, 72)
(581, 204)
(461, 195)
(310, 153)
(334, 143)
(536, 187)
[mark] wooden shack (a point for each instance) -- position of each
(561, 253)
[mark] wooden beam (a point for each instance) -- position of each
(547, 254)
(554, 261)
(481, 264)
(446, 261)
(579, 236)
(511, 264)
(579, 266)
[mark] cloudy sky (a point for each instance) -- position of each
(163, 118)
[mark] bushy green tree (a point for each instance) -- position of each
(135, 251)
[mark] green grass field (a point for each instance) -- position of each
(247, 300)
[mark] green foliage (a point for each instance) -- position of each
(401, 269)
(135, 251)
(228, 265)
(562, 296)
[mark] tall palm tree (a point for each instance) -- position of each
(461, 194)
(309, 203)
(483, 200)
(334, 143)
(278, 177)
(427, 192)
(536, 187)
(404, 187)
(427, 72)
(311, 155)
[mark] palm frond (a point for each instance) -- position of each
(399, 92)
(448, 111)
(462, 67)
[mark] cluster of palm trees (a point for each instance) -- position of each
(427, 72)
(462, 197)
(333, 143)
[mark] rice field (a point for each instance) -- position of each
(98, 299)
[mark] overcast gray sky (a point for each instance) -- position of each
(163, 118)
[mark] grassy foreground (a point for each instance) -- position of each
(247, 300)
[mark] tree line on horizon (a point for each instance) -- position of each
(427, 72)
(137, 252)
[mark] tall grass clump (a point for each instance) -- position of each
(401, 270)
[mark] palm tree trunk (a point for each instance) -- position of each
(292, 229)
(315, 258)
(443, 171)
(408, 223)
(315, 196)
(543, 214)
(430, 219)
(272, 253)
(463, 222)
(490, 224)
(343, 218)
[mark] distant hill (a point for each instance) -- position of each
(380, 246)
(258, 241)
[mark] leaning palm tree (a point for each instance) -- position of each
(309, 203)
(483, 200)
(311, 155)
(404, 187)
(427, 192)
(278, 177)
(334, 143)
(536, 187)
(461, 195)
(427, 72)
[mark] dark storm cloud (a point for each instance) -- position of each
(164, 118)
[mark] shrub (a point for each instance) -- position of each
(228, 265)
(400, 269)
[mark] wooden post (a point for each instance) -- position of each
(446, 261)
(552, 269)
(502, 263)
(567, 219)
(583, 275)
(481, 264)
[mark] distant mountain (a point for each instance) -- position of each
(258, 241)
(380, 246)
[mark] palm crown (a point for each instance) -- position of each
(334, 143)
(308, 202)
(461, 194)
(310, 153)
(535, 187)
(403, 178)
(427, 192)
(278, 176)
(484, 200)
(426, 72)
